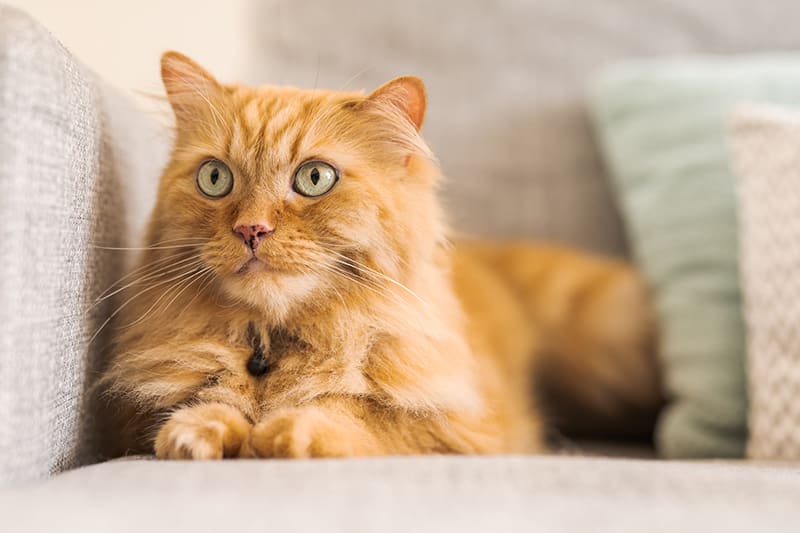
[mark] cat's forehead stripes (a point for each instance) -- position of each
(271, 128)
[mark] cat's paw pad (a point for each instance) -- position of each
(202, 432)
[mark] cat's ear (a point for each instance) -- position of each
(189, 86)
(407, 94)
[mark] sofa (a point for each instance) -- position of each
(78, 167)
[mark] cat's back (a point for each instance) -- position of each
(582, 323)
(543, 278)
(539, 288)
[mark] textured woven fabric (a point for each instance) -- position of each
(507, 82)
(463, 494)
(663, 124)
(766, 143)
(60, 196)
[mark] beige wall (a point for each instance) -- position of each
(122, 40)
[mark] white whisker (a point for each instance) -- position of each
(129, 300)
(352, 262)
(200, 289)
(141, 270)
(180, 286)
(164, 270)
(141, 248)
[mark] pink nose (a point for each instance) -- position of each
(253, 234)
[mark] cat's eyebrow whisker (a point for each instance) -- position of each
(354, 77)
(316, 75)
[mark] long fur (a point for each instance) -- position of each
(380, 336)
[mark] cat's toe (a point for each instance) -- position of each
(202, 432)
(187, 441)
(309, 432)
(280, 436)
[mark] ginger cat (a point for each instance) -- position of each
(298, 296)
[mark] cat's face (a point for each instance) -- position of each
(285, 192)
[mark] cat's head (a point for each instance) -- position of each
(286, 193)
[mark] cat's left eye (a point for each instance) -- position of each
(314, 178)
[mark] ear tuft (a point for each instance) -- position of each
(188, 85)
(407, 94)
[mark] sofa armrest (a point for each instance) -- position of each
(62, 163)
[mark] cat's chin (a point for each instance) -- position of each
(253, 265)
(275, 291)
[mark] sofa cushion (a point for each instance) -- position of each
(766, 144)
(507, 82)
(663, 127)
(464, 494)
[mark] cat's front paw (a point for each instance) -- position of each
(309, 432)
(205, 431)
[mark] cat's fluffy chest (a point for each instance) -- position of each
(295, 369)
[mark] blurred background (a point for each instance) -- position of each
(507, 81)
(122, 41)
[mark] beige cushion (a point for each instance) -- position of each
(766, 144)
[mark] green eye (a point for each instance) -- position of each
(314, 178)
(214, 178)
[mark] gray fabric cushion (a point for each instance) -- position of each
(506, 82)
(60, 177)
(464, 494)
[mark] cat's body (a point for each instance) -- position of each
(268, 320)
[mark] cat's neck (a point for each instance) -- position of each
(393, 307)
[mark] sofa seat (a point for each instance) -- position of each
(491, 494)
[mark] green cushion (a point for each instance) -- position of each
(662, 127)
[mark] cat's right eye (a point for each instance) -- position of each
(214, 178)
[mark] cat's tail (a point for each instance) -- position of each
(596, 369)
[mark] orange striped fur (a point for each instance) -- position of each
(380, 336)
